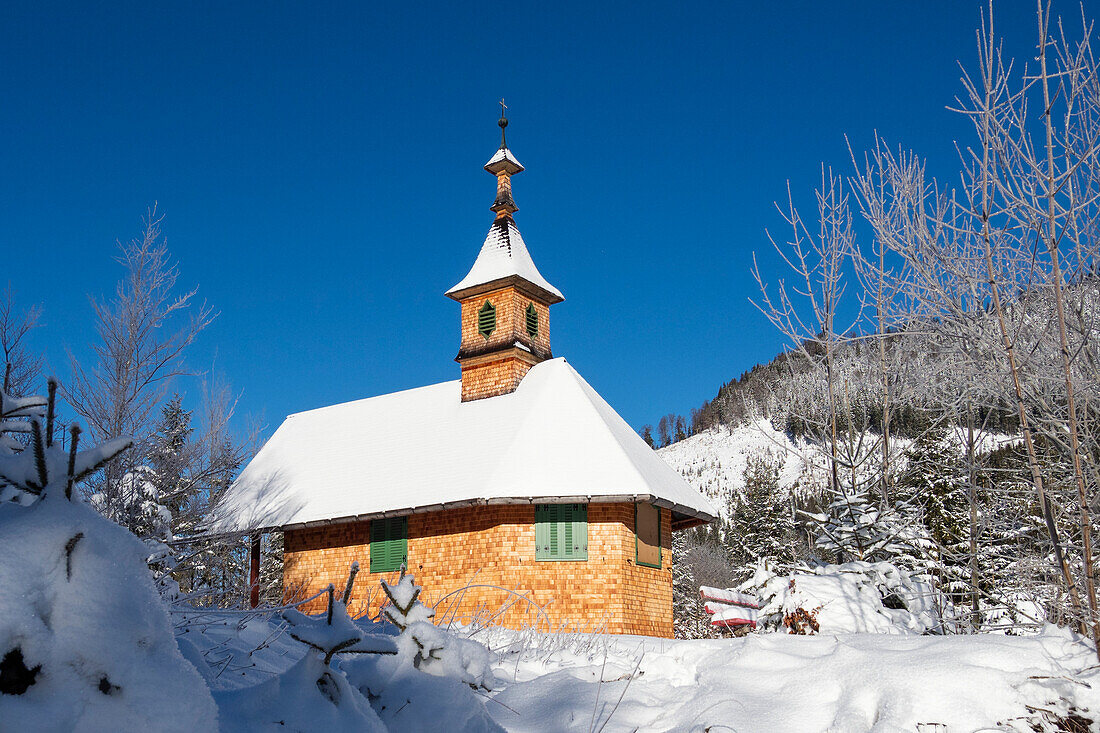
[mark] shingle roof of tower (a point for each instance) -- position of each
(504, 154)
(503, 256)
(554, 438)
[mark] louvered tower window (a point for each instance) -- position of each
(532, 320)
(487, 319)
(561, 531)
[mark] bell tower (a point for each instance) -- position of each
(505, 299)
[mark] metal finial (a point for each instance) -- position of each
(503, 122)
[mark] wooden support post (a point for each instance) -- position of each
(254, 572)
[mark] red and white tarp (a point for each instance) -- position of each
(733, 616)
(729, 597)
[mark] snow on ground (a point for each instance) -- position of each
(556, 683)
(778, 682)
(714, 461)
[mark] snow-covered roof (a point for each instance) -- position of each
(504, 154)
(504, 255)
(424, 449)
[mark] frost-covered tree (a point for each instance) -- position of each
(935, 483)
(1003, 263)
(143, 330)
(171, 459)
(935, 479)
(138, 505)
(856, 526)
(272, 591)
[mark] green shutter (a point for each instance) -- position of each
(532, 320)
(400, 539)
(542, 533)
(580, 531)
(561, 532)
(486, 319)
(389, 544)
(565, 521)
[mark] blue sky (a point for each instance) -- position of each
(319, 167)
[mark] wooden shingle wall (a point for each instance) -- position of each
(488, 375)
(511, 308)
(495, 546)
(492, 378)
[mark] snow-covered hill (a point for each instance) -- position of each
(714, 461)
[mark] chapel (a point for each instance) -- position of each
(514, 494)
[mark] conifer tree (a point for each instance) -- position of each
(935, 480)
(170, 458)
(762, 523)
(856, 526)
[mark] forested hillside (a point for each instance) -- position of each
(934, 405)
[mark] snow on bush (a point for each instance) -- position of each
(855, 597)
(334, 632)
(428, 647)
(406, 699)
(314, 693)
(280, 669)
(429, 683)
(85, 641)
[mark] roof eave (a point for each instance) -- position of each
(691, 517)
(518, 281)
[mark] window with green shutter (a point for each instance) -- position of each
(487, 319)
(389, 544)
(561, 531)
(532, 320)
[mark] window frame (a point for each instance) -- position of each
(393, 529)
(552, 522)
(660, 548)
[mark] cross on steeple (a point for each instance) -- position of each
(504, 165)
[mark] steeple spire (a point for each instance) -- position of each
(504, 165)
(505, 299)
(504, 258)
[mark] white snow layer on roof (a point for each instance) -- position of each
(503, 154)
(553, 437)
(502, 255)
